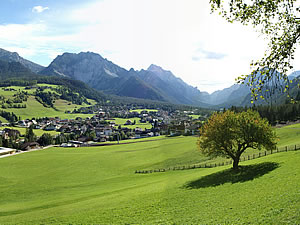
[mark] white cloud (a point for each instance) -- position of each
(137, 33)
(167, 33)
(32, 41)
(39, 9)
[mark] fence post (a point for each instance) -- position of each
(286, 148)
(271, 151)
(265, 153)
(295, 147)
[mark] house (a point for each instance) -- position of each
(64, 129)
(22, 123)
(101, 114)
(128, 122)
(29, 146)
(4, 134)
(7, 132)
(84, 139)
(138, 129)
(150, 134)
(107, 131)
(193, 129)
(143, 120)
(50, 127)
(103, 138)
(66, 145)
(76, 143)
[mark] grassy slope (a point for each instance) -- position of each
(3, 120)
(36, 109)
(122, 121)
(140, 110)
(97, 185)
(195, 116)
(289, 135)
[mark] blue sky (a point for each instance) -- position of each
(20, 11)
(179, 35)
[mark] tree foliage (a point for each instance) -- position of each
(279, 22)
(29, 135)
(229, 134)
(9, 116)
(45, 139)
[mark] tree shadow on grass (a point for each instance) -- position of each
(245, 173)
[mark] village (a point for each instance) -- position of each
(106, 125)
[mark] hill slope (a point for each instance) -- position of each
(98, 186)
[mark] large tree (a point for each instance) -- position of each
(279, 21)
(29, 135)
(229, 134)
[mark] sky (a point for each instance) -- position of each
(179, 35)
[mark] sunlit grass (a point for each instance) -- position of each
(97, 185)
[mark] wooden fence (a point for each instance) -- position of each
(225, 162)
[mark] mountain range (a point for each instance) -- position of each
(101, 74)
(154, 83)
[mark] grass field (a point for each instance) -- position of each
(140, 110)
(289, 135)
(3, 120)
(122, 121)
(195, 116)
(98, 186)
(36, 109)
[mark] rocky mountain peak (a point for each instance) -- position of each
(15, 57)
(156, 69)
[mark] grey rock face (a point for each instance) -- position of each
(14, 57)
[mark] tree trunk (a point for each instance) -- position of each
(236, 163)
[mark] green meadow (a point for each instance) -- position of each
(97, 185)
(122, 121)
(140, 110)
(289, 135)
(34, 109)
(195, 117)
